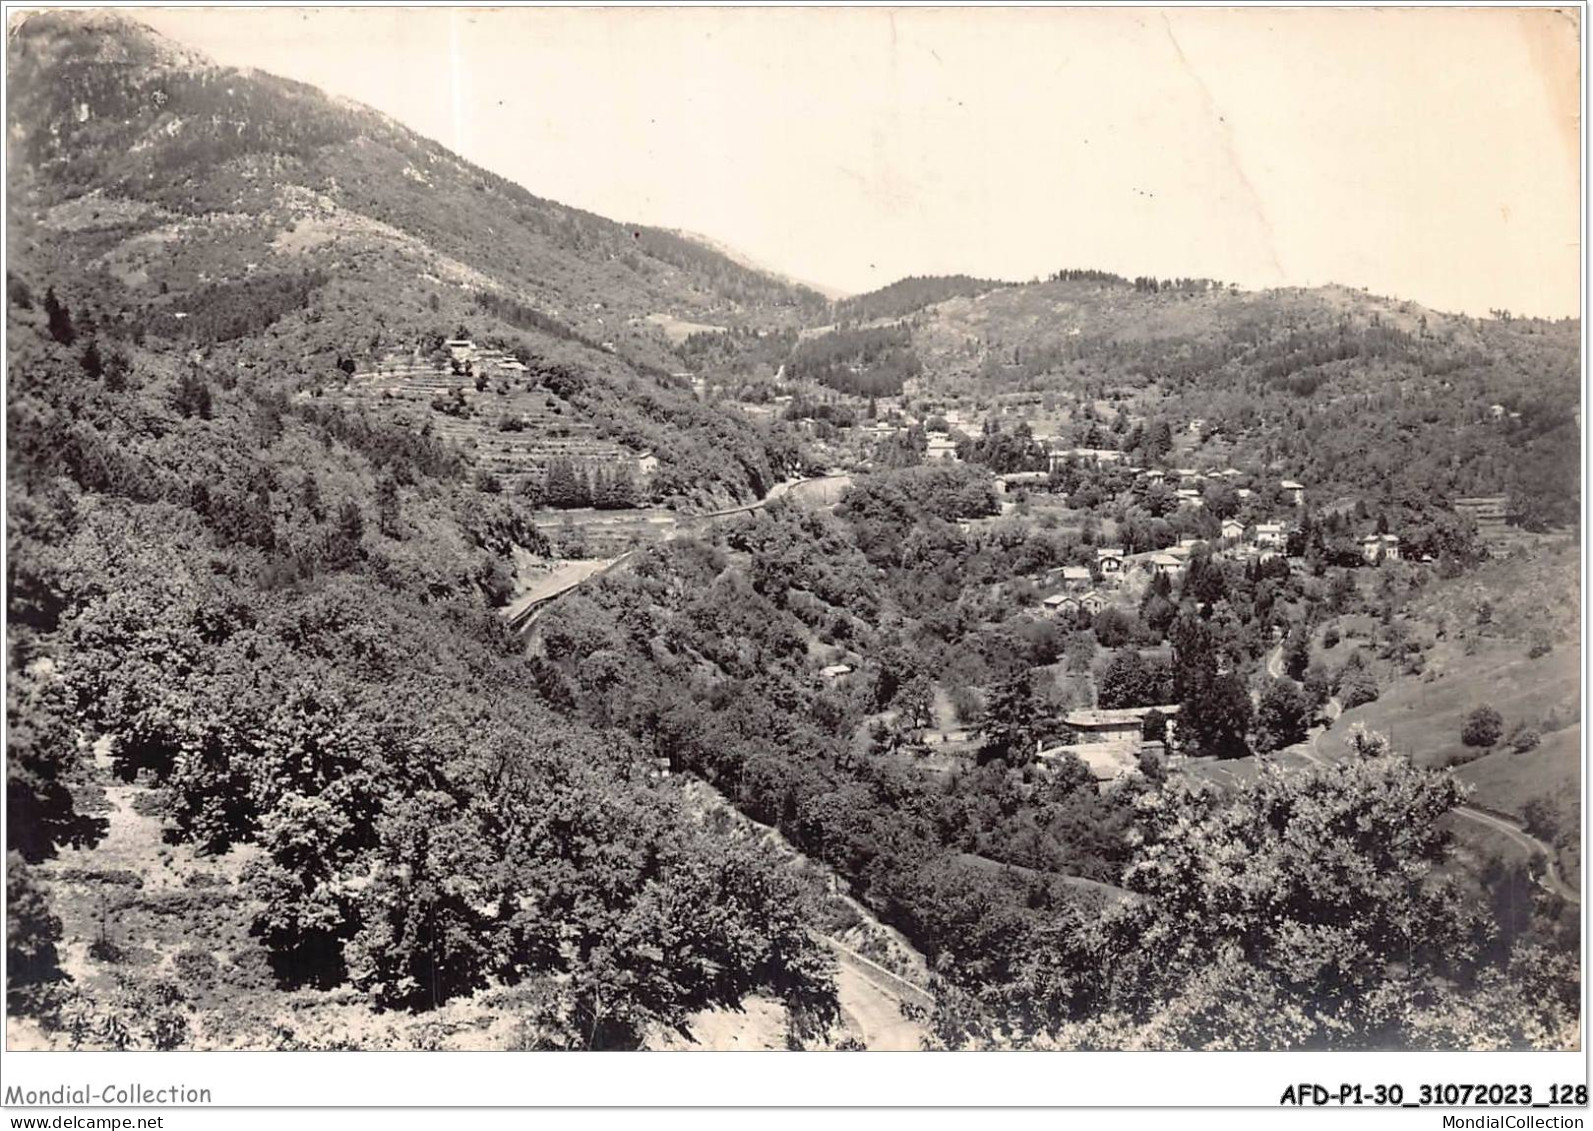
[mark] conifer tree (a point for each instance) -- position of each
(59, 319)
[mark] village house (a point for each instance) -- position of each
(1377, 548)
(1233, 529)
(1099, 455)
(1059, 603)
(1295, 492)
(940, 446)
(1271, 535)
(1167, 565)
(1020, 479)
(1496, 412)
(1122, 726)
(1155, 475)
(1092, 603)
(1109, 560)
(835, 671)
(1197, 426)
(1109, 741)
(1076, 577)
(1189, 497)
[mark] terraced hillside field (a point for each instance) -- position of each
(506, 422)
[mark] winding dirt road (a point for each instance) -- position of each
(1550, 880)
(524, 610)
(872, 1006)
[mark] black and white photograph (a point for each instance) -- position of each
(692, 530)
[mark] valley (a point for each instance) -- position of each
(444, 618)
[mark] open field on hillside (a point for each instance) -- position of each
(1424, 718)
(1532, 593)
(678, 330)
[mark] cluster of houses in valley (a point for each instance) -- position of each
(1262, 541)
(1079, 588)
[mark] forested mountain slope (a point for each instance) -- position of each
(1349, 392)
(1357, 395)
(279, 232)
(251, 600)
(273, 618)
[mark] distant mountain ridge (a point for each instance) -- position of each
(834, 294)
(241, 214)
(315, 234)
(102, 102)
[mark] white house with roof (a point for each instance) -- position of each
(1380, 548)
(1108, 742)
(1116, 727)
(1166, 564)
(938, 445)
(1233, 529)
(1099, 455)
(1271, 535)
(1295, 492)
(1190, 497)
(1109, 560)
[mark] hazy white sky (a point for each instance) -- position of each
(1426, 153)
